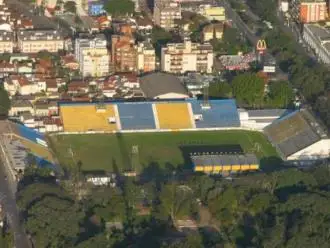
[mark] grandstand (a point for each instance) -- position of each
(134, 116)
(37, 150)
(222, 113)
(298, 136)
(89, 117)
(224, 163)
(34, 143)
(174, 115)
(144, 116)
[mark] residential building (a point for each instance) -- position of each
(34, 41)
(143, 24)
(95, 8)
(187, 57)
(92, 55)
(307, 11)
(6, 42)
(20, 106)
(318, 39)
(78, 87)
(123, 53)
(17, 84)
(103, 22)
(166, 12)
(7, 68)
(213, 13)
(69, 61)
(212, 31)
(146, 57)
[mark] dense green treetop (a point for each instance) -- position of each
(119, 8)
(248, 89)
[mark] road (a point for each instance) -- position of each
(8, 200)
(245, 30)
(294, 30)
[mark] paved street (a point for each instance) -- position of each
(7, 198)
(247, 32)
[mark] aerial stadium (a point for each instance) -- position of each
(157, 131)
(131, 136)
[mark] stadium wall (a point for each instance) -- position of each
(154, 131)
(31, 134)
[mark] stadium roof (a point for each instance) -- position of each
(159, 83)
(224, 159)
(294, 132)
(266, 113)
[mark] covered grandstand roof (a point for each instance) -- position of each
(224, 159)
(157, 84)
(294, 132)
(268, 112)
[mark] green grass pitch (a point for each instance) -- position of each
(108, 151)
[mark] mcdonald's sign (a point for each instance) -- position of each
(261, 46)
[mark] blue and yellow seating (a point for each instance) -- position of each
(173, 116)
(82, 118)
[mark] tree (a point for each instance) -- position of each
(159, 38)
(53, 222)
(280, 94)
(220, 89)
(5, 56)
(248, 89)
(190, 241)
(6, 238)
(119, 8)
(4, 101)
(70, 6)
(322, 106)
(175, 201)
(231, 43)
(51, 216)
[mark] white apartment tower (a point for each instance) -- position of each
(187, 57)
(92, 54)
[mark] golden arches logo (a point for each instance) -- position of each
(261, 45)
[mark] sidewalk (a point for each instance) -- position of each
(11, 175)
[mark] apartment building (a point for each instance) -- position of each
(318, 39)
(166, 12)
(212, 31)
(146, 57)
(6, 42)
(92, 55)
(212, 13)
(123, 53)
(187, 56)
(19, 84)
(34, 41)
(307, 11)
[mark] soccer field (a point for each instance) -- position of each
(107, 152)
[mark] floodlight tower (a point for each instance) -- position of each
(206, 104)
(135, 158)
